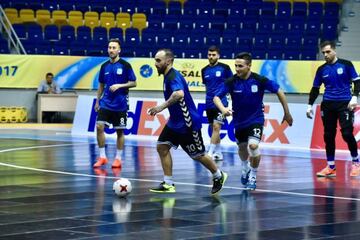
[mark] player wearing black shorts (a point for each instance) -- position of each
(247, 90)
(213, 77)
(183, 127)
(338, 104)
(115, 78)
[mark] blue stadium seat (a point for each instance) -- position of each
(67, 6)
(20, 30)
(294, 42)
(158, 8)
(83, 33)
(308, 55)
(222, 9)
(100, 34)
(234, 21)
(67, 33)
(35, 32)
(258, 54)
(164, 38)
(299, 10)
(181, 40)
(281, 26)
(117, 33)
(265, 26)
(111, 6)
(29, 45)
(277, 42)
(191, 53)
(44, 48)
(229, 38)
(148, 37)
(248, 27)
(261, 41)
(310, 41)
(315, 10)
(51, 32)
(267, 11)
(292, 55)
(275, 55)
(245, 41)
(132, 37)
(213, 40)
(329, 31)
(226, 52)
(154, 23)
(186, 23)
(94, 48)
(217, 22)
(50, 5)
(128, 6)
(78, 48)
(4, 48)
(60, 50)
(297, 26)
(35, 4)
(174, 8)
(196, 39)
(283, 10)
(171, 22)
(313, 29)
(331, 9)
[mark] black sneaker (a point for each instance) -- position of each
(219, 183)
(164, 188)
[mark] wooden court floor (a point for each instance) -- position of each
(48, 190)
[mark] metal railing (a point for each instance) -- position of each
(13, 39)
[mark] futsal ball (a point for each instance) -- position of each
(122, 187)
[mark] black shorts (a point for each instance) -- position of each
(332, 111)
(214, 115)
(254, 132)
(191, 142)
(116, 119)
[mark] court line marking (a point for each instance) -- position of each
(148, 180)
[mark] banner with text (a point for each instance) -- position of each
(71, 72)
(143, 125)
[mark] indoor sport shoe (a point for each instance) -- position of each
(100, 161)
(116, 163)
(245, 176)
(218, 156)
(355, 170)
(163, 188)
(251, 185)
(327, 172)
(218, 183)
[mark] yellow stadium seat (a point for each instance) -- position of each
(107, 20)
(76, 19)
(123, 20)
(43, 17)
(59, 18)
(27, 15)
(91, 19)
(12, 15)
(139, 21)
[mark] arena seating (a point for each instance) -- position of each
(272, 29)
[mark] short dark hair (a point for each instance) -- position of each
(244, 55)
(115, 40)
(326, 43)
(49, 74)
(168, 53)
(214, 48)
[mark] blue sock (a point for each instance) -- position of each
(331, 162)
(355, 159)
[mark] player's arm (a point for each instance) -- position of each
(314, 93)
(353, 101)
(99, 93)
(287, 116)
(129, 84)
(174, 98)
(226, 111)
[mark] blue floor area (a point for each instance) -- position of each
(49, 190)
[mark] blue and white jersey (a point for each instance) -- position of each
(337, 79)
(213, 77)
(247, 98)
(183, 114)
(119, 72)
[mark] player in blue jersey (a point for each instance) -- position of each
(338, 103)
(183, 127)
(213, 77)
(247, 89)
(115, 78)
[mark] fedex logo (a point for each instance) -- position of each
(140, 123)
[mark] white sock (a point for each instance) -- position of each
(168, 180)
(244, 166)
(253, 172)
(102, 152)
(217, 174)
(212, 148)
(217, 147)
(118, 153)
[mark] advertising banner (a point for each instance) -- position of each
(140, 124)
(71, 72)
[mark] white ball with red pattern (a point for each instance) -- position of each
(122, 187)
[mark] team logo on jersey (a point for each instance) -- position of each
(254, 88)
(218, 73)
(340, 71)
(119, 71)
